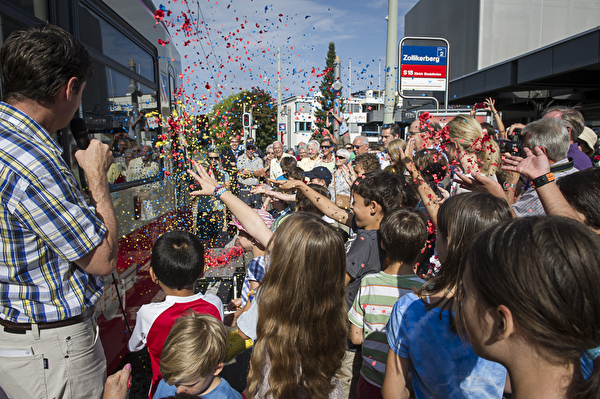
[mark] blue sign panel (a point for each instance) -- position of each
(423, 55)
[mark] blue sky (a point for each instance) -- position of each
(233, 44)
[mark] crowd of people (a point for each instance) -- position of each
(439, 266)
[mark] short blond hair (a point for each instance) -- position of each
(195, 347)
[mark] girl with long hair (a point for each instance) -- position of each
(529, 299)
(301, 327)
(421, 331)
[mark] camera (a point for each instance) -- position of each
(479, 106)
(514, 146)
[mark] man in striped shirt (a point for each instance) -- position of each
(54, 248)
(403, 236)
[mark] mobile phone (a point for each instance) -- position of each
(480, 105)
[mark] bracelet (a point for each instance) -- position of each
(508, 185)
(543, 180)
(218, 191)
(495, 113)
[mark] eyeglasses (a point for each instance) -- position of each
(358, 146)
(324, 147)
(213, 158)
(342, 158)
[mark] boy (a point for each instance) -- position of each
(374, 195)
(193, 358)
(177, 261)
(403, 236)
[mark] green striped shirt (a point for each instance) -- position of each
(371, 311)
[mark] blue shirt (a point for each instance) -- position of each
(221, 391)
(45, 224)
(255, 272)
(442, 364)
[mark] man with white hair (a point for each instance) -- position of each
(551, 136)
(275, 169)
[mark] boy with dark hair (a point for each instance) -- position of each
(177, 261)
(403, 236)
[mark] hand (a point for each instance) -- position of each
(117, 385)
(259, 172)
(207, 183)
(95, 160)
(512, 128)
(535, 165)
(490, 102)
(480, 183)
(258, 189)
(473, 110)
(406, 156)
(234, 304)
(286, 184)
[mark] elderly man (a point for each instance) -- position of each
(575, 123)
(388, 133)
(275, 167)
(55, 247)
(551, 136)
(361, 145)
(250, 167)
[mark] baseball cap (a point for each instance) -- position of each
(320, 172)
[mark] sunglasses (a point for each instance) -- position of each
(213, 158)
(324, 147)
(358, 146)
(343, 158)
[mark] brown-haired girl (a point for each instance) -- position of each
(530, 301)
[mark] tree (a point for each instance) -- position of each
(225, 120)
(328, 93)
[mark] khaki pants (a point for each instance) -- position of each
(349, 373)
(66, 362)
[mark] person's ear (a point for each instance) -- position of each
(71, 88)
(374, 207)
(152, 275)
(504, 325)
(218, 369)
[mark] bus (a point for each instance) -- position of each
(136, 72)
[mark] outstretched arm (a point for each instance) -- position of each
(535, 165)
(428, 196)
(251, 220)
(323, 203)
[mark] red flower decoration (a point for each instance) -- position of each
(424, 117)
(159, 15)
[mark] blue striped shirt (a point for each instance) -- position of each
(45, 224)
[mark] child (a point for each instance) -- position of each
(421, 332)
(177, 261)
(300, 339)
(530, 300)
(301, 323)
(193, 357)
(374, 195)
(403, 236)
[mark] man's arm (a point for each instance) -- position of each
(95, 161)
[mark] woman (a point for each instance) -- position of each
(342, 179)
(313, 159)
(302, 152)
(212, 211)
(396, 164)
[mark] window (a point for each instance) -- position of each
(37, 8)
(106, 39)
(303, 107)
(303, 126)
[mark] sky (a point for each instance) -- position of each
(228, 46)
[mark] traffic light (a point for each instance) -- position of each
(246, 120)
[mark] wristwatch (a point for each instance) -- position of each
(543, 180)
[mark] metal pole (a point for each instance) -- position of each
(390, 63)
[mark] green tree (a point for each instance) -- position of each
(328, 93)
(225, 120)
